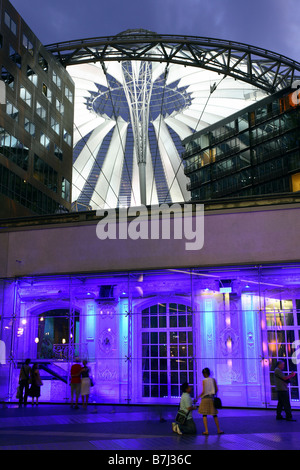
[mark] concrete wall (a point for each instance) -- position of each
(253, 235)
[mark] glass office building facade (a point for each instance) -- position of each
(36, 123)
(144, 333)
(253, 152)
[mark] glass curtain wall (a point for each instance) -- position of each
(145, 333)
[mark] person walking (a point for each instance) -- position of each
(24, 381)
(36, 383)
(209, 390)
(186, 405)
(75, 383)
(85, 384)
(281, 383)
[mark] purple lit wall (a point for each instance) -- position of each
(153, 331)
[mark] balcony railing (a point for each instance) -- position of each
(68, 351)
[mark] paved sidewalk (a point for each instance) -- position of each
(50, 427)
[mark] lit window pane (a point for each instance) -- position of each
(12, 111)
(56, 79)
(69, 94)
(60, 107)
(55, 126)
(45, 141)
(67, 138)
(29, 127)
(27, 44)
(25, 95)
(32, 76)
(41, 111)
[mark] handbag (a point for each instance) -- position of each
(92, 383)
(217, 403)
(18, 395)
(181, 417)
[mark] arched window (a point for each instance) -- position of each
(167, 349)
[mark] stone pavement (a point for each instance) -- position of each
(57, 427)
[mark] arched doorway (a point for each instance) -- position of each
(166, 350)
(54, 334)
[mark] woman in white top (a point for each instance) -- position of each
(207, 407)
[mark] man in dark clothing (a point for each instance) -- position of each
(281, 382)
(24, 379)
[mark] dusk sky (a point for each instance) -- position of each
(271, 24)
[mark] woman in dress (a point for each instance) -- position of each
(36, 383)
(209, 390)
(85, 384)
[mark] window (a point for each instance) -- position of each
(10, 23)
(23, 192)
(56, 79)
(12, 111)
(5, 140)
(27, 44)
(67, 137)
(29, 127)
(53, 332)
(282, 320)
(7, 78)
(40, 110)
(167, 349)
(60, 107)
(32, 76)
(45, 173)
(66, 189)
(13, 149)
(43, 63)
(15, 57)
(58, 152)
(55, 126)
(69, 94)
(45, 141)
(25, 96)
(47, 92)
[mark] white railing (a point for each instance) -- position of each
(70, 351)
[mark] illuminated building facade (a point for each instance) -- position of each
(145, 328)
(148, 314)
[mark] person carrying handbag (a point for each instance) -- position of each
(207, 405)
(86, 383)
(24, 382)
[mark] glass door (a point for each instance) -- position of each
(167, 351)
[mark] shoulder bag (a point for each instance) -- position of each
(181, 417)
(217, 401)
